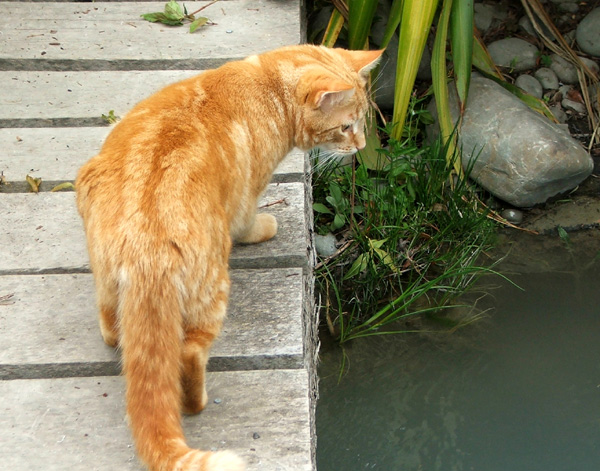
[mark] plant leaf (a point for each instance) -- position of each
(377, 244)
(34, 183)
(336, 21)
(173, 11)
(321, 208)
(153, 17)
(440, 84)
(338, 221)
(197, 23)
(417, 16)
(63, 186)
(461, 27)
(392, 23)
(359, 265)
(360, 17)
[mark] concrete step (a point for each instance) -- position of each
(49, 325)
(62, 65)
(79, 424)
(113, 36)
(46, 234)
(69, 98)
(56, 154)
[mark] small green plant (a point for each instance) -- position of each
(545, 60)
(110, 118)
(175, 15)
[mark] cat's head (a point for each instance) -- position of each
(333, 99)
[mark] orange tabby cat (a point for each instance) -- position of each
(175, 182)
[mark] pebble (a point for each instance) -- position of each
(529, 84)
(547, 78)
(326, 245)
(592, 65)
(218, 401)
(483, 15)
(559, 114)
(514, 53)
(588, 33)
(514, 216)
(573, 106)
(525, 24)
(564, 70)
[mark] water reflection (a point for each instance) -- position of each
(519, 390)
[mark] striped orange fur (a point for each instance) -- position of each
(174, 184)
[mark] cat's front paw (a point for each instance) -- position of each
(264, 228)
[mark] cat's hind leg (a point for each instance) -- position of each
(107, 300)
(264, 227)
(204, 320)
(195, 357)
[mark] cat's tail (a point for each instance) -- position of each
(151, 342)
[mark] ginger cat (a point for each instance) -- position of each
(175, 182)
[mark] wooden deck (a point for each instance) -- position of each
(63, 65)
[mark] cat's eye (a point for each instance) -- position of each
(346, 127)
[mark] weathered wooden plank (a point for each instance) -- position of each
(48, 325)
(76, 98)
(112, 36)
(56, 154)
(79, 423)
(44, 233)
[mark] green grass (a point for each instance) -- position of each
(411, 235)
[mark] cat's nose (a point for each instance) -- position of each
(360, 143)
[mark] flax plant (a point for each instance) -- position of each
(413, 19)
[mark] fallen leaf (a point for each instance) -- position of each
(34, 183)
(574, 95)
(64, 186)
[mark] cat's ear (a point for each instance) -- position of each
(364, 61)
(331, 94)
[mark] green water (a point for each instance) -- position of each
(516, 391)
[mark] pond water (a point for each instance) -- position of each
(518, 390)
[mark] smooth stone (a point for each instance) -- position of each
(592, 65)
(514, 216)
(514, 53)
(530, 84)
(484, 15)
(326, 245)
(594, 91)
(588, 33)
(564, 70)
(547, 78)
(559, 114)
(522, 157)
(569, 7)
(573, 106)
(525, 24)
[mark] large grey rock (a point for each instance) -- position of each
(588, 33)
(513, 53)
(521, 157)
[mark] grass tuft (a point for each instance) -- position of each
(410, 236)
